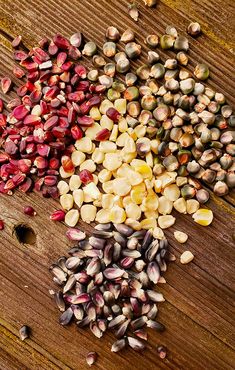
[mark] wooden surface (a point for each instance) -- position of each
(199, 309)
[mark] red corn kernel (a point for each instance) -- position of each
(41, 163)
(85, 121)
(95, 101)
(30, 148)
(9, 185)
(29, 65)
(51, 93)
(67, 66)
(38, 184)
(76, 133)
(61, 58)
(18, 72)
(81, 71)
(27, 101)
(71, 115)
(24, 165)
(53, 80)
(4, 157)
(22, 90)
(74, 80)
(26, 185)
(50, 180)
(33, 76)
(52, 172)
(1, 225)
(43, 106)
(41, 54)
(44, 75)
(35, 96)
(20, 112)
(1, 105)
(77, 96)
(30, 86)
(83, 86)
(20, 55)
(29, 211)
(61, 41)
(55, 103)
(74, 53)
(57, 215)
(86, 176)
(32, 120)
(102, 135)
(52, 191)
(67, 163)
(53, 48)
(113, 114)
(54, 163)
(43, 150)
(5, 84)
(51, 122)
(59, 132)
(3, 120)
(10, 147)
(63, 122)
(18, 178)
(16, 42)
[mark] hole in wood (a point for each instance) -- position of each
(25, 234)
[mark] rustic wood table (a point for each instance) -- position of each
(199, 309)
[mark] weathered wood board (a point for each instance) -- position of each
(199, 309)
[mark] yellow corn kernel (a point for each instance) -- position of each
(108, 187)
(117, 201)
(126, 200)
(97, 203)
(117, 215)
(128, 157)
(133, 223)
(133, 135)
(102, 216)
(141, 167)
(151, 214)
(84, 144)
(77, 157)
(93, 130)
(97, 156)
(107, 201)
(105, 105)
(133, 211)
(148, 223)
(140, 131)
(114, 133)
(122, 125)
(130, 146)
(88, 213)
(121, 187)
(151, 202)
(95, 114)
(149, 159)
(104, 175)
(78, 197)
(158, 233)
(192, 205)
(120, 105)
(149, 185)
(165, 206)
(106, 122)
(121, 140)
(180, 205)
(166, 221)
(203, 216)
(137, 196)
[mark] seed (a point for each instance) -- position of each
(194, 29)
(75, 234)
(182, 58)
(66, 317)
(136, 344)
(143, 72)
(166, 42)
(123, 65)
(133, 12)
(186, 257)
(113, 273)
(157, 71)
(152, 41)
(201, 71)
(89, 49)
(118, 345)
(150, 3)
(127, 36)
(181, 43)
(76, 39)
(180, 236)
(202, 196)
(155, 325)
(28, 210)
(6, 84)
(24, 332)
(162, 351)
(220, 188)
(153, 57)
(112, 33)
(203, 217)
(91, 358)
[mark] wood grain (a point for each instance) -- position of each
(199, 308)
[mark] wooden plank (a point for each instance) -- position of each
(199, 312)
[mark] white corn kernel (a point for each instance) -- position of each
(121, 187)
(88, 213)
(180, 236)
(78, 157)
(92, 191)
(130, 146)
(122, 125)
(93, 130)
(140, 131)
(97, 203)
(78, 197)
(149, 159)
(97, 156)
(114, 133)
(66, 201)
(95, 179)
(133, 211)
(64, 174)
(121, 140)
(192, 205)
(63, 187)
(92, 149)
(186, 257)
(180, 205)
(108, 187)
(74, 182)
(166, 221)
(154, 144)
(106, 122)
(165, 206)
(102, 216)
(172, 192)
(84, 144)
(128, 157)
(88, 198)
(158, 233)
(117, 215)
(133, 223)
(107, 147)
(180, 181)
(126, 201)
(112, 161)
(203, 216)
(107, 201)
(104, 175)
(105, 105)
(88, 165)
(151, 202)
(158, 186)
(95, 113)
(72, 217)
(120, 105)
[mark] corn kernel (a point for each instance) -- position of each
(151, 214)
(95, 114)
(180, 205)
(88, 165)
(117, 215)
(154, 144)
(106, 122)
(118, 201)
(88, 213)
(133, 223)
(148, 223)
(97, 203)
(64, 174)
(120, 105)
(158, 233)
(166, 221)
(104, 175)
(77, 157)
(108, 187)
(78, 197)
(140, 131)
(92, 149)
(180, 181)
(126, 201)
(137, 196)
(88, 198)
(105, 105)
(133, 211)
(74, 182)
(128, 157)
(95, 179)
(121, 187)
(72, 217)
(158, 186)
(84, 144)
(166, 179)
(107, 201)
(93, 130)
(66, 201)
(121, 140)
(141, 167)
(134, 178)
(172, 192)
(186, 257)
(130, 146)
(149, 185)
(149, 159)
(114, 133)
(107, 147)
(122, 125)
(192, 205)
(165, 206)
(92, 191)
(97, 156)
(203, 216)
(180, 236)
(112, 161)
(63, 187)
(151, 202)
(102, 216)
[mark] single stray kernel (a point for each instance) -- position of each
(186, 257)
(162, 352)
(91, 358)
(203, 216)
(24, 332)
(1, 225)
(28, 210)
(180, 236)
